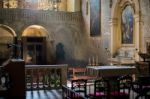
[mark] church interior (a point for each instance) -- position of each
(50, 44)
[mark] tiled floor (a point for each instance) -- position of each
(56, 94)
(44, 94)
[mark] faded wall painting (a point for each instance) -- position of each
(127, 22)
(95, 17)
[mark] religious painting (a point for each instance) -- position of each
(95, 17)
(127, 22)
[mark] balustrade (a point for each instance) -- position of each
(45, 76)
(28, 15)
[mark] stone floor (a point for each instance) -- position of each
(57, 94)
(54, 94)
(44, 94)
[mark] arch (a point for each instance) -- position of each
(9, 29)
(121, 3)
(7, 37)
(40, 37)
(35, 31)
(116, 10)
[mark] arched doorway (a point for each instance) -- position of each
(7, 37)
(34, 44)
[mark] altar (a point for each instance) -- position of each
(122, 61)
(109, 71)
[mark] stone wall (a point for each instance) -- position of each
(97, 45)
(145, 22)
(72, 29)
(62, 27)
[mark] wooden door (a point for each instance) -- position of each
(34, 50)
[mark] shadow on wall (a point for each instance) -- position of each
(75, 62)
(60, 53)
(60, 57)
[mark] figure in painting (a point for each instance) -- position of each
(127, 25)
(95, 17)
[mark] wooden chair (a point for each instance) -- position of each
(122, 88)
(101, 89)
(68, 93)
(79, 86)
(81, 73)
(142, 68)
(142, 87)
(5, 83)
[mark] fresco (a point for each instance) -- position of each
(94, 17)
(127, 25)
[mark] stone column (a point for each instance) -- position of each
(114, 35)
(63, 5)
(21, 3)
(138, 35)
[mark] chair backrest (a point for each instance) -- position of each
(142, 68)
(124, 84)
(79, 86)
(68, 93)
(142, 86)
(144, 80)
(102, 86)
(79, 71)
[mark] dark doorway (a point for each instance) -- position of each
(34, 50)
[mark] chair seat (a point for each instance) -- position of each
(148, 87)
(83, 77)
(98, 94)
(116, 93)
(76, 96)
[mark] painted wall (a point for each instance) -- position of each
(145, 22)
(72, 30)
(97, 45)
(63, 28)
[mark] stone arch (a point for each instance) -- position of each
(39, 31)
(35, 31)
(7, 37)
(116, 10)
(9, 29)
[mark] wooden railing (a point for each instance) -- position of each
(45, 76)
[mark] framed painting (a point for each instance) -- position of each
(95, 17)
(127, 22)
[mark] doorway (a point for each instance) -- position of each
(34, 50)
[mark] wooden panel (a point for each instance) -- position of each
(143, 68)
(16, 70)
